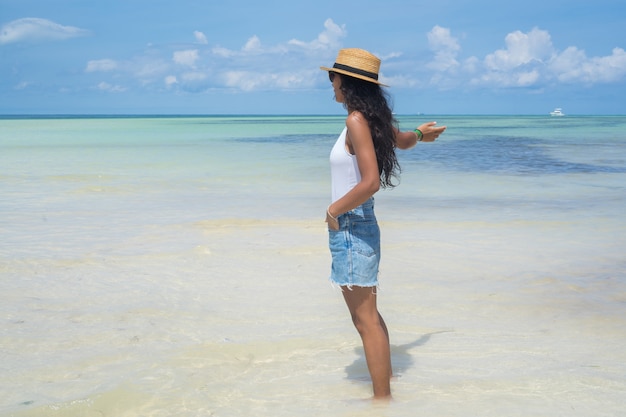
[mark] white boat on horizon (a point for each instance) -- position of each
(557, 112)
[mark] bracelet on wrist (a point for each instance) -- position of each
(419, 134)
(330, 215)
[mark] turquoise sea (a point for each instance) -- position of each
(177, 266)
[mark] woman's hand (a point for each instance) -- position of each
(430, 132)
(333, 223)
(408, 139)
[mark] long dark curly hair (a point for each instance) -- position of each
(373, 102)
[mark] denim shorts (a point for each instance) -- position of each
(355, 248)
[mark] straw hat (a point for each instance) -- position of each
(357, 63)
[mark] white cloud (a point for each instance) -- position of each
(200, 37)
(300, 59)
(251, 81)
(530, 60)
(400, 81)
(223, 52)
(187, 58)
(245, 80)
(193, 81)
(522, 64)
(22, 85)
(471, 65)
(251, 67)
(253, 45)
(390, 55)
(193, 76)
(330, 38)
(445, 47)
(527, 60)
(522, 48)
(572, 65)
(527, 78)
(103, 86)
(36, 29)
(440, 38)
(149, 69)
(101, 65)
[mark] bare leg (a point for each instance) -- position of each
(361, 302)
(384, 325)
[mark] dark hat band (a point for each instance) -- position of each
(353, 70)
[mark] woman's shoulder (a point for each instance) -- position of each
(356, 119)
(358, 129)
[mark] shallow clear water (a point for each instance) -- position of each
(178, 266)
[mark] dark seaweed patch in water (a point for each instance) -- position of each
(496, 154)
(511, 155)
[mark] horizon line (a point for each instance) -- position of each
(155, 115)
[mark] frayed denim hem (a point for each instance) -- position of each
(375, 287)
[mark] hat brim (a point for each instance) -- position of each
(353, 75)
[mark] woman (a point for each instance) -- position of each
(362, 161)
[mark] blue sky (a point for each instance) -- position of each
(263, 57)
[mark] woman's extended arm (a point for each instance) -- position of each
(430, 132)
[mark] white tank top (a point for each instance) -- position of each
(344, 170)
